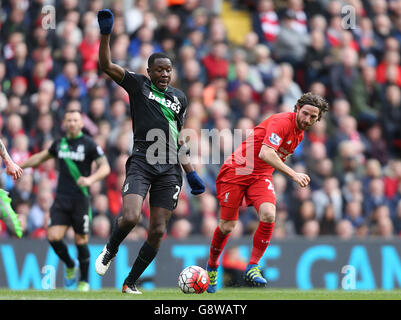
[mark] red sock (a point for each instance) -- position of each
(218, 242)
(261, 240)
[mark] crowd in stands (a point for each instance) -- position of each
(353, 155)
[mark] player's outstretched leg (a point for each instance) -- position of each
(8, 215)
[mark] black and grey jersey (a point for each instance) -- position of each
(157, 118)
(83, 151)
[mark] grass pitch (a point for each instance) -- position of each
(224, 294)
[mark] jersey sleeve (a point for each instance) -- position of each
(276, 132)
(96, 151)
(53, 148)
(131, 81)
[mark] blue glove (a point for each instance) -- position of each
(106, 19)
(196, 183)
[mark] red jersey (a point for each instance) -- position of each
(279, 131)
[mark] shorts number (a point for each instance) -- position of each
(86, 224)
(175, 196)
(270, 185)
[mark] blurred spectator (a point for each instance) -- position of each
(329, 194)
(310, 229)
(390, 63)
(216, 63)
(264, 64)
(284, 226)
(286, 86)
(362, 231)
(265, 22)
(348, 161)
(375, 197)
(291, 43)
(339, 108)
(101, 227)
(392, 180)
(181, 229)
(317, 60)
(322, 170)
(391, 117)
(384, 228)
(328, 222)
(39, 215)
(101, 206)
(365, 97)
(344, 73)
(20, 150)
(269, 100)
(354, 214)
(353, 191)
(305, 213)
(376, 145)
(344, 229)
(43, 132)
(23, 190)
(89, 48)
(134, 14)
(20, 64)
(373, 170)
(209, 225)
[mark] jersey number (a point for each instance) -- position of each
(270, 185)
(86, 223)
(175, 196)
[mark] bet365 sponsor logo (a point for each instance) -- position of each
(174, 106)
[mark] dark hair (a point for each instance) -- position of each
(72, 110)
(313, 100)
(156, 55)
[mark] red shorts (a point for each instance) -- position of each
(256, 189)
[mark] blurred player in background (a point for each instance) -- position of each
(75, 153)
(156, 108)
(247, 173)
(7, 213)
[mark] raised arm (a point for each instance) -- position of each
(106, 19)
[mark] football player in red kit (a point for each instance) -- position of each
(248, 173)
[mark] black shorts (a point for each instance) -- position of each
(74, 212)
(163, 182)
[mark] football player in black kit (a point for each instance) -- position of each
(157, 112)
(74, 153)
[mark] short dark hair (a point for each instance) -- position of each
(156, 55)
(72, 110)
(313, 100)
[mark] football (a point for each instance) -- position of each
(193, 279)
